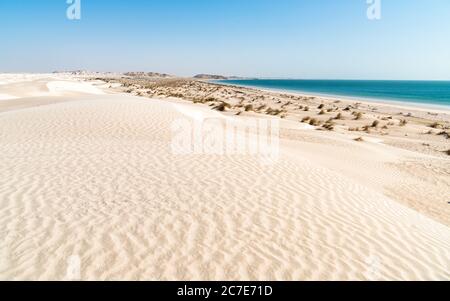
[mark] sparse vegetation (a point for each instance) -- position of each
(286, 104)
(327, 114)
(222, 106)
(358, 115)
(328, 125)
(314, 122)
(359, 139)
(210, 99)
(305, 119)
(444, 134)
(176, 95)
(198, 100)
(436, 125)
(274, 112)
(248, 108)
(261, 107)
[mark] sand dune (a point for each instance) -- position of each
(62, 87)
(91, 177)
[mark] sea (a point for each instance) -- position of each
(423, 93)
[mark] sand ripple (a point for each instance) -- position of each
(96, 179)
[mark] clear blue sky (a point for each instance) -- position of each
(268, 38)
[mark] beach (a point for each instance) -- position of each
(93, 188)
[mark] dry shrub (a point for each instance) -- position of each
(273, 112)
(445, 134)
(358, 115)
(436, 125)
(314, 122)
(248, 108)
(329, 126)
(305, 119)
(222, 106)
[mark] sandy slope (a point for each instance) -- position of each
(93, 176)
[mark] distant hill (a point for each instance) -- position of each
(147, 74)
(210, 76)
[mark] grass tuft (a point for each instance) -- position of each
(435, 125)
(222, 106)
(358, 115)
(248, 108)
(305, 119)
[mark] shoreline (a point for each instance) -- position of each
(426, 132)
(427, 107)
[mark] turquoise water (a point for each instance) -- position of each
(414, 92)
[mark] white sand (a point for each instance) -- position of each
(58, 87)
(7, 96)
(93, 176)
